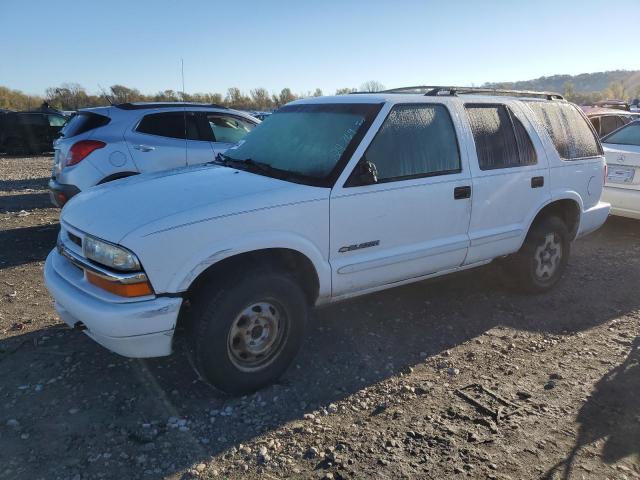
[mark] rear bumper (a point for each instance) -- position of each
(625, 202)
(60, 193)
(593, 218)
(138, 329)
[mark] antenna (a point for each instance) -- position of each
(182, 71)
(104, 94)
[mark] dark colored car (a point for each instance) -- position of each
(29, 132)
(606, 120)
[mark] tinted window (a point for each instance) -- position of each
(629, 135)
(83, 122)
(172, 125)
(414, 141)
(568, 130)
(609, 124)
(33, 119)
(500, 138)
(228, 129)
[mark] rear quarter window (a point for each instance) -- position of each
(83, 122)
(570, 133)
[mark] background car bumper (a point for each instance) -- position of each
(59, 193)
(625, 202)
(134, 329)
(593, 218)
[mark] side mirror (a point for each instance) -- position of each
(365, 173)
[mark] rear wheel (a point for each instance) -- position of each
(245, 336)
(541, 262)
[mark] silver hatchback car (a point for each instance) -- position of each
(102, 144)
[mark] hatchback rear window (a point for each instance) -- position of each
(83, 122)
(569, 131)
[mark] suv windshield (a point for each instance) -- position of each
(309, 142)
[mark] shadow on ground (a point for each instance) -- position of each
(349, 346)
(24, 201)
(20, 246)
(32, 183)
(612, 414)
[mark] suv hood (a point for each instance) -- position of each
(156, 201)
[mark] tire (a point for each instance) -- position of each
(542, 260)
(245, 334)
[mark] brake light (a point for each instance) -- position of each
(80, 150)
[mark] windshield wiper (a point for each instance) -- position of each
(251, 165)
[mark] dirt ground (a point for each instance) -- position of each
(373, 392)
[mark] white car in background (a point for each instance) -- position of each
(99, 145)
(622, 186)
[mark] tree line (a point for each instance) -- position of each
(72, 96)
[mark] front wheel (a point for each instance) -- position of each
(542, 260)
(246, 335)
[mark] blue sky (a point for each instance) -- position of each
(303, 45)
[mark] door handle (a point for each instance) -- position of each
(462, 192)
(537, 182)
(144, 148)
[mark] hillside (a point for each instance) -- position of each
(583, 83)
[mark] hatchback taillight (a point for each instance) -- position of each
(81, 149)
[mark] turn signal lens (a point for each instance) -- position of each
(80, 150)
(124, 290)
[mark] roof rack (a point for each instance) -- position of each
(143, 105)
(433, 91)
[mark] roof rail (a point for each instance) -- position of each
(432, 91)
(143, 105)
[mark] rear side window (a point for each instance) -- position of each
(415, 141)
(568, 130)
(172, 124)
(500, 138)
(609, 124)
(56, 120)
(228, 129)
(83, 122)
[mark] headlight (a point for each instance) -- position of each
(109, 255)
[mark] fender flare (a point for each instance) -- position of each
(555, 197)
(202, 260)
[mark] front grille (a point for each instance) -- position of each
(75, 239)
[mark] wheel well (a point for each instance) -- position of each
(116, 176)
(291, 261)
(567, 210)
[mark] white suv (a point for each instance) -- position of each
(328, 199)
(102, 144)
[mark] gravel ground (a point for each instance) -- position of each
(373, 393)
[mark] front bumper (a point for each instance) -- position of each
(625, 202)
(137, 329)
(60, 193)
(593, 218)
